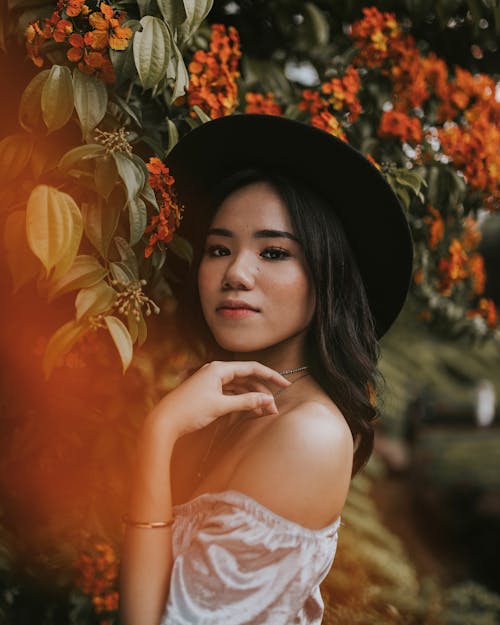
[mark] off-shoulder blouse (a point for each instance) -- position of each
(236, 562)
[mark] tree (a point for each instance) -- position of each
(90, 214)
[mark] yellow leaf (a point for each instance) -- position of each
(53, 226)
(121, 338)
(60, 343)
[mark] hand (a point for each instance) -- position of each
(217, 389)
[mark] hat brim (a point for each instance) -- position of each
(368, 208)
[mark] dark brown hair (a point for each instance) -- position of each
(342, 348)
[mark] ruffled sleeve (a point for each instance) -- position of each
(236, 562)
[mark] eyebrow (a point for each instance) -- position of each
(259, 234)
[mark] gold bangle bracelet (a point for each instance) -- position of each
(146, 525)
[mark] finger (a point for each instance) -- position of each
(232, 370)
(246, 386)
(261, 403)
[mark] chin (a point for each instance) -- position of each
(240, 344)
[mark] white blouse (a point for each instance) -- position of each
(237, 562)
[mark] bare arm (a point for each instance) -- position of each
(147, 553)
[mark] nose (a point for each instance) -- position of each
(239, 274)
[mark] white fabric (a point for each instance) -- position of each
(236, 562)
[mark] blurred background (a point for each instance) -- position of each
(415, 85)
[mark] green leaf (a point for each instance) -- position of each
(74, 239)
(123, 60)
(105, 175)
(173, 134)
(173, 11)
(57, 98)
(196, 11)
(91, 100)
(74, 157)
(146, 6)
(94, 300)
(15, 154)
(138, 329)
(121, 339)
(127, 255)
(138, 218)
(85, 271)
(60, 343)
(181, 74)
(30, 106)
(134, 113)
(149, 195)
(318, 23)
(122, 273)
(133, 326)
(53, 227)
(158, 257)
(100, 221)
(22, 263)
(181, 247)
(131, 174)
(152, 52)
(202, 116)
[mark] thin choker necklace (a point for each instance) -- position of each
(296, 370)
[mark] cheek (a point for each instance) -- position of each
(205, 282)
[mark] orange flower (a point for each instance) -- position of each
(97, 576)
(436, 227)
(89, 36)
(338, 96)
(74, 7)
(329, 123)
(487, 310)
(164, 224)
(394, 124)
(259, 103)
(373, 161)
(473, 150)
(373, 36)
(476, 272)
(452, 269)
(213, 74)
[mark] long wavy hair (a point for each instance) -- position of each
(341, 349)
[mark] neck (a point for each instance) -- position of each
(286, 355)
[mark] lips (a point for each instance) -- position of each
(236, 309)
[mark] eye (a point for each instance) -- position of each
(216, 251)
(275, 253)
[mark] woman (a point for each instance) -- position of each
(288, 296)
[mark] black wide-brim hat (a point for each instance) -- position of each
(364, 202)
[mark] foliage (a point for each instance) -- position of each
(82, 222)
(90, 219)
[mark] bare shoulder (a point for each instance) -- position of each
(300, 466)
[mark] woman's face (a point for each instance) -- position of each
(254, 285)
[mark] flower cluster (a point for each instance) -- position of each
(213, 74)
(259, 103)
(394, 124)
(88, 33)
(97, 577)
(486, 309)
(473, 149)
(162, 225)
(375, 35)
(457, 266)
(436, 227)
(338, 96)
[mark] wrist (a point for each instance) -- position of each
(164, 421)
